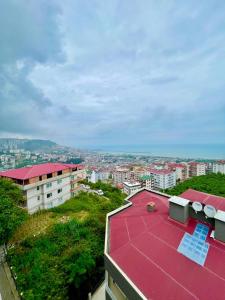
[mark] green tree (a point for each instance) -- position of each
(11, 216)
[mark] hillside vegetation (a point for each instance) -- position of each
(11, 216)
(211, 183)
(58, 253)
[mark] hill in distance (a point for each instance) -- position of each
(27, 144)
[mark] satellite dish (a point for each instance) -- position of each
(197, 206)
(210, 211)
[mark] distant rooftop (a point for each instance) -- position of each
(161, 172)
(144, 245)
(146, 177)
(130, 184)
(37, 170)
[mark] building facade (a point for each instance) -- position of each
(196, 169)
(130, 188)
(181, 170)
(162, 179)
(120, 175)
(219, 167)
(46, 185)
(101, 174)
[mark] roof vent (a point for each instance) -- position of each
(151, 206)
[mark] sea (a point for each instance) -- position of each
(206, 151)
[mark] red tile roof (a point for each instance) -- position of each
(144, 245)
(37, 170)
(216, 201)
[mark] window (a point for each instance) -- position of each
(48, 185)
(40, 178)
(59, 181)
(59, 191)
(59, 173)
(49, 195)
(38, 197)
(72, 177)
(38, 187)
(49, 175)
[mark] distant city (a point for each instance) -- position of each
(126, 171)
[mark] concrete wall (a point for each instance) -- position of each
(123, 284)
(220, 230)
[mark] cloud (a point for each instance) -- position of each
(108, 72)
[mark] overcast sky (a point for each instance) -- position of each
(115, 72)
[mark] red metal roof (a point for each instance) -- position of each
(37, 170)
(216, 201)
(144, 245)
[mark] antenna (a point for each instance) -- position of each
(209, 211)
(197, 206)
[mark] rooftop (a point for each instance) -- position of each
(145, 177)
(144, 245)
(161, 172)
(131, 184)
(37, 170)
(204, 198)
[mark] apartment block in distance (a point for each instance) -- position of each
(163, 179)
(121, 174)
(180, 169)
(196, 169)
(175, 250)
(46, 185)
(219, 167)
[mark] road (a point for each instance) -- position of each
(6, 286)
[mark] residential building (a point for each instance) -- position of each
(99, 174)
(147, 181)
(131, 187)
(219, 167)
(137, 172)
(46, 185)
(163, 179)
(196, 168)
(120, 175)
(167, 252)
(180, 169)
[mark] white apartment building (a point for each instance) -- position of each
(131, 187)
(46, 185)
(163, 179)
(219, 167)
(96, 175)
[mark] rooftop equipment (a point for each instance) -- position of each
(220, 225)
(209, 211)
(197, 206)
(179, 209)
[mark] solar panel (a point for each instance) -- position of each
(194, 246)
